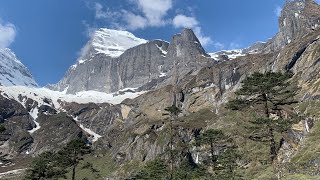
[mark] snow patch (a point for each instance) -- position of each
(34, 114)
(230, 54)
(162, 51)
(89, 131)
(163, 75)
(94, 135)
(40, 94)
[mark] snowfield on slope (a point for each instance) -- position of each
(231, 54)
(40, 94)
(110, 42)
(13, 72)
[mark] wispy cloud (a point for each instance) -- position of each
(145, 13)
(234, 45)
(149, 13)
(218, 45)
(183, 21)
(277, 10)
(7, 34)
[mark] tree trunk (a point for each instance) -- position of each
(213, 158)
(266, 107)
(74, 172)
(272, 145)
(74, 165)
(273, 150)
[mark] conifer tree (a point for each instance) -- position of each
(267, 92)
(173, 112)
(45, 166)
(72, 154)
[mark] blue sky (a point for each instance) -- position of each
(47, 36)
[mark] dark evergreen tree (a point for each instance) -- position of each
(153, 170)
(72, 154)
(45, 166)
(268, 92)
(190, 171)
(227, 161)
(213, 138)
(173, 112)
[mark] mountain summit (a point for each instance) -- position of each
(113, 60)
(13, 72)
(111, 43)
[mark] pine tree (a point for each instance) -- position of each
(228, 164)
(268, 92)
(153, 170)
(45, 166)
(212, 137)
(72, 154)
(173, 112)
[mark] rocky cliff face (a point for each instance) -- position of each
(104, 71)
(13, 72)
(297, 18)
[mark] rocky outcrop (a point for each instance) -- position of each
(298, 18)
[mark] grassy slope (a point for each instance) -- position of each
(235, 124)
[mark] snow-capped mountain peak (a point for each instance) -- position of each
(13, 72)
(112, 43)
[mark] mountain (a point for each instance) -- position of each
(13, 72)
(297, 18)
(145, 64)
(128, 133)
(93, 68)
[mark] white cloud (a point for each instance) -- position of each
(278, 10)
(183, 21)
(145, 13)
(7, 34)
(234, 45)
(134, 22)
(105, 14)
(155, 10)
(149, 13)
(218, 45)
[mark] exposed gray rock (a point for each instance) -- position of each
(137, 66)
(298, 18)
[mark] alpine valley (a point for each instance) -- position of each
(116, 93)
